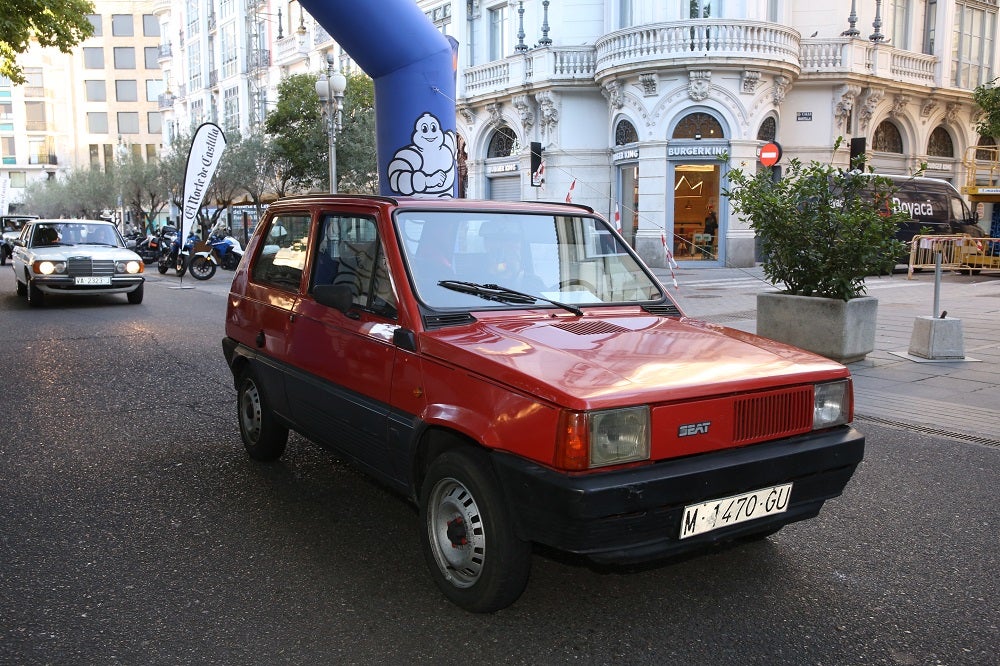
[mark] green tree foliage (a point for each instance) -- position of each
(59, 23)
(987, 96)
(82, 192)
(298, 137)
(143, 189)
(357, 159)
(822, 229)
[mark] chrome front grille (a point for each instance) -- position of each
(771, 415)
(85, 266)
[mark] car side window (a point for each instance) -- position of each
(283, 253)
(350, 253)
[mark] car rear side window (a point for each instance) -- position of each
(283, 255)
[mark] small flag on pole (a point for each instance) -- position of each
(569, 195)
(618, 218)
(538, 178)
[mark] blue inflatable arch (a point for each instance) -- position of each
(413, 68)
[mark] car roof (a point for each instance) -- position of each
(72, 220)
(550, 207)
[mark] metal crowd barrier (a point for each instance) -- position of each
(958, 253)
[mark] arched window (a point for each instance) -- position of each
(940, 144)
(625, 133)
(887, 138)
(503, 143)
(990, 143)
(698, 126)
(768, 129)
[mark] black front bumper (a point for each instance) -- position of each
(635, 514)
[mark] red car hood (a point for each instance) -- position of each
(627, 358)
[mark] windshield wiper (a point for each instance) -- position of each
(494, 292)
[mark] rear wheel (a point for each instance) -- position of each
(474, 554)
(263, 437)
(135, 296)
(3, 256)
(202, 268)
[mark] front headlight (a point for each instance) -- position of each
(130, 267)
(831, 404)
(46, 267)
(607, 437)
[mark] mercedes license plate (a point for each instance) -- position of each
(92, 279)
(719, 513)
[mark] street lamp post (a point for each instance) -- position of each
(330, 88)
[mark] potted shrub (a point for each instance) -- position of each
(822, 230)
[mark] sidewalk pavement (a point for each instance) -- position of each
(958, 399)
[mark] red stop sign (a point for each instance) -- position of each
(770, 153)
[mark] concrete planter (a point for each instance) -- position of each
(841, 330)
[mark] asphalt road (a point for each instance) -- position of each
(134, 530)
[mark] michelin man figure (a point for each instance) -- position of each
(425, 168)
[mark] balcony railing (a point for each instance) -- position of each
(842, 55)
(258, 58)
(554, 64)
(697, 39)
(292, 48)
(165, 101)
(166, 51)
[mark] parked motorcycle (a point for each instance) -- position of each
(166, 248)
(222, 250)
(143, 245)
(182, 255)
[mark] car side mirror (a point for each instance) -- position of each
(337, 296)
(18, 242)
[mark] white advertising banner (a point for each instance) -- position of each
(4, 194)
(203, 158)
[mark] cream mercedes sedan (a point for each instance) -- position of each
(75, 258)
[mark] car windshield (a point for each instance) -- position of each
(462, 259)
(75, 233)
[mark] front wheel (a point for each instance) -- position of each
(263, 437)
(135, 296)
(474, 554)
(202, 268)
(3, 256)
(181, 266)
(35, 296)
(163, 265)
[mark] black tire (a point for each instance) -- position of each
(3, 256)
(263, 437)
(202, 268)
(181, 266)
(162, 266)
(22, 289)
(459, 490)
(135, 296)
(36, 298)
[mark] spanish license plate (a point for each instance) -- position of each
(92, 279)
(719, 513)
